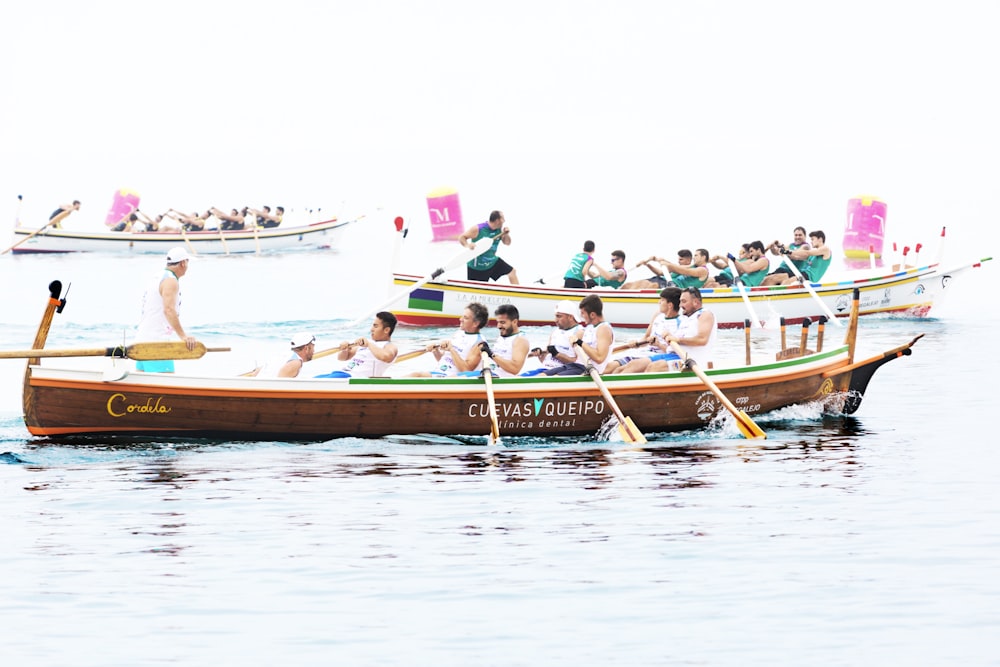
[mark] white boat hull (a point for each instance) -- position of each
(307, 237)
(909, 293)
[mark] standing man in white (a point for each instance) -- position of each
(160, 319)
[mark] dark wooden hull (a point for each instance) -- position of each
(62, 403)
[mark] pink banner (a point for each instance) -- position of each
(445, 213)
(124, 203)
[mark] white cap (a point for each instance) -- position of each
(302, 339)
(567, 307)
(176, 255)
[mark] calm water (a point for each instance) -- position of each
(873, 539)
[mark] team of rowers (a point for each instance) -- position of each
(580, 339)
(176, 221)
(803, 260)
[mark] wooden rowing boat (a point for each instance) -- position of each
(66, 403)
(909, 293)
(317, 235)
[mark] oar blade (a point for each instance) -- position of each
(164, 350)
(630, 432)
(749, 428)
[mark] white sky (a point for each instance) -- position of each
(688, 122)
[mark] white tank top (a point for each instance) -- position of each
(153, 325)
(364, 364)
(590, 338)
(504, 348)
(702, 354)
(560, 338)
(461, 343)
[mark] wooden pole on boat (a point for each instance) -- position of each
(740, 287)
(256, 236)
(747, 426)
(626, 427)
(139, 351)
(746, 335)
(488, 378)
(940, 256)
(871, 256)
(850, 340)
(54, 305)
(820, 328)
(804, 338)
(812, 292)
(781, 322)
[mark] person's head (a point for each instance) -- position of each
(496, 219)
(383, 325)
(280, 210)
(588, 246)
(474, 317)
(76, 204)
(744, 250)
(303, 344)
(592, 308)
(690, 300)
(133, 217)
(507, 319)
(266, 209)
(684, 257)
(756, 249)
(670, 301)
(799, 235)
(177, 260)
(234, 213)
(700, 257)
(817, 236)
(567, 314)
(617, 259)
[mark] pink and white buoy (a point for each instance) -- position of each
(124, 203)
(864, 231)
(445, 213)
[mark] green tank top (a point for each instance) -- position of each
(816, 266)
(576, 265)
(755, 278)
(684, 282)
(489, 258)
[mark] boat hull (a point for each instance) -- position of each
(909, 293)
(60, 403)
(213, 242)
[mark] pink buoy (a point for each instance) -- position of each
(445, 213)
(864, 231)
(124, 203)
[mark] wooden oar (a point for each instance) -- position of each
(488, 378)
(465, 256)
(409, 355)
(222, 237)
(812, 292)
(747, 426)
(626, 427)
(187, 241)
(740, 287)
(30, 236)
(138, 351)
